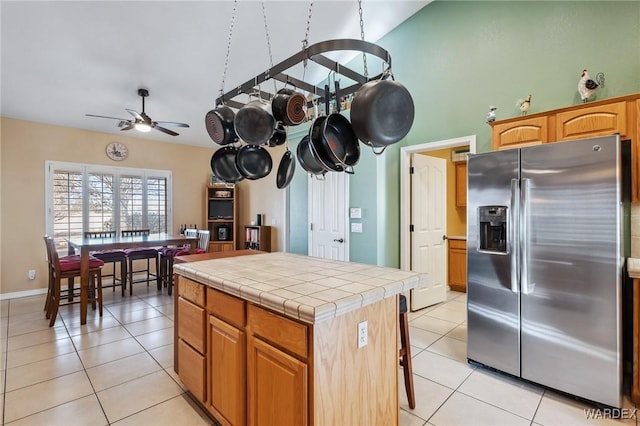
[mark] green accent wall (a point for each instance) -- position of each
(459, 57)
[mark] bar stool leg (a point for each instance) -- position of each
(405, 359)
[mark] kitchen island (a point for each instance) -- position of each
(285, 339)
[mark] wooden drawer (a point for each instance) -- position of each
(192, 291)
(192, 367)
(593, 121)
(226, 307)
(458, 244)
(191, 324)
(524, 132)
(281, 332)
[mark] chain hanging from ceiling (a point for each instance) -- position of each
(315, 53)
(226, 59)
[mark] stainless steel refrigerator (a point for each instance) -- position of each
(546, 247)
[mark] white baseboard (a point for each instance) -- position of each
(17, 294)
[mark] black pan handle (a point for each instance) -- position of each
(327, 98)
(337, 86)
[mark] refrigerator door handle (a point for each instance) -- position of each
(524, 235)
(512, 231)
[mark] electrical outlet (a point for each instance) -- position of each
(32, 274)
(362, 334)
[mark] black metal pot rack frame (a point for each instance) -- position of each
(315, 54)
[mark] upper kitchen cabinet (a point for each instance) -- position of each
(615, 115)
(519, 132)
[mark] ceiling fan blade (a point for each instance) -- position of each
(104, 116)
(129, 126)
(135, 114)
(172, 124)
(163, 130)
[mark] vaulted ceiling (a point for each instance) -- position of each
(64, 59)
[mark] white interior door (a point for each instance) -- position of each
(429, 219)
(328, 204)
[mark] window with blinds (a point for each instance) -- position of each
(84, 197)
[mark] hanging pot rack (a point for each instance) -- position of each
(315, 53)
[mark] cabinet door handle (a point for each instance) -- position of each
(340, 240)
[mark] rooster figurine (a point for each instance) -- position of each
(587, 86)
(524, 105)
(491, 115)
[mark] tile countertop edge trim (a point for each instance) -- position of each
(320, 313)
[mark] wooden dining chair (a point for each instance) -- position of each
(113, 257)
(68, 267)
(168, 254)
(141, 253)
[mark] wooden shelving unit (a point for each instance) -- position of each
(221, 213)
(257, 238)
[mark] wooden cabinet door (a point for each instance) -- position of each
(586, 122)
(458, 265)
(277, 387)
(192, 370)
(227, 372)
(461, 184)
(191, 324)
(519, 133)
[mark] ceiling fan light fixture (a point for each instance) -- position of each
(142, 127)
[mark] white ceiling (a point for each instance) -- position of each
(64, 59)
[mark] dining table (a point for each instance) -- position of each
(87, 245)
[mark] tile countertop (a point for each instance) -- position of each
(633, 267)
(310, 289)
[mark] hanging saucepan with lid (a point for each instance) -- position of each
(223, 164)
(219, 123)
(289, 107)
(253, 162)
(254, 122)
(382, 112)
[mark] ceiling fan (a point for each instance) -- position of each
(141, 121)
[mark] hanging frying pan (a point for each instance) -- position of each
(285, 170)
(223, 164)
(253, 162)
(219, 124)
(307, 160)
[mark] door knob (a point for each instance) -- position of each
(340, 240)
(444, 238)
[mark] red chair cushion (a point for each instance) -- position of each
(71, 262)
(150, 252)
(109, 255)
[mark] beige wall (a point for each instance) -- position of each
(25, 146)
(262, 196)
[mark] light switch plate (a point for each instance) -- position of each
(355, 213)
(356, 227)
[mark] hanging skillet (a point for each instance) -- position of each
(285, 170)
(307, 160)
(223, 164)
(253, 162)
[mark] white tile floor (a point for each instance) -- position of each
(118, 369)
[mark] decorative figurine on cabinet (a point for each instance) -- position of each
(524, 105)
(491, 115)
(587, 86)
